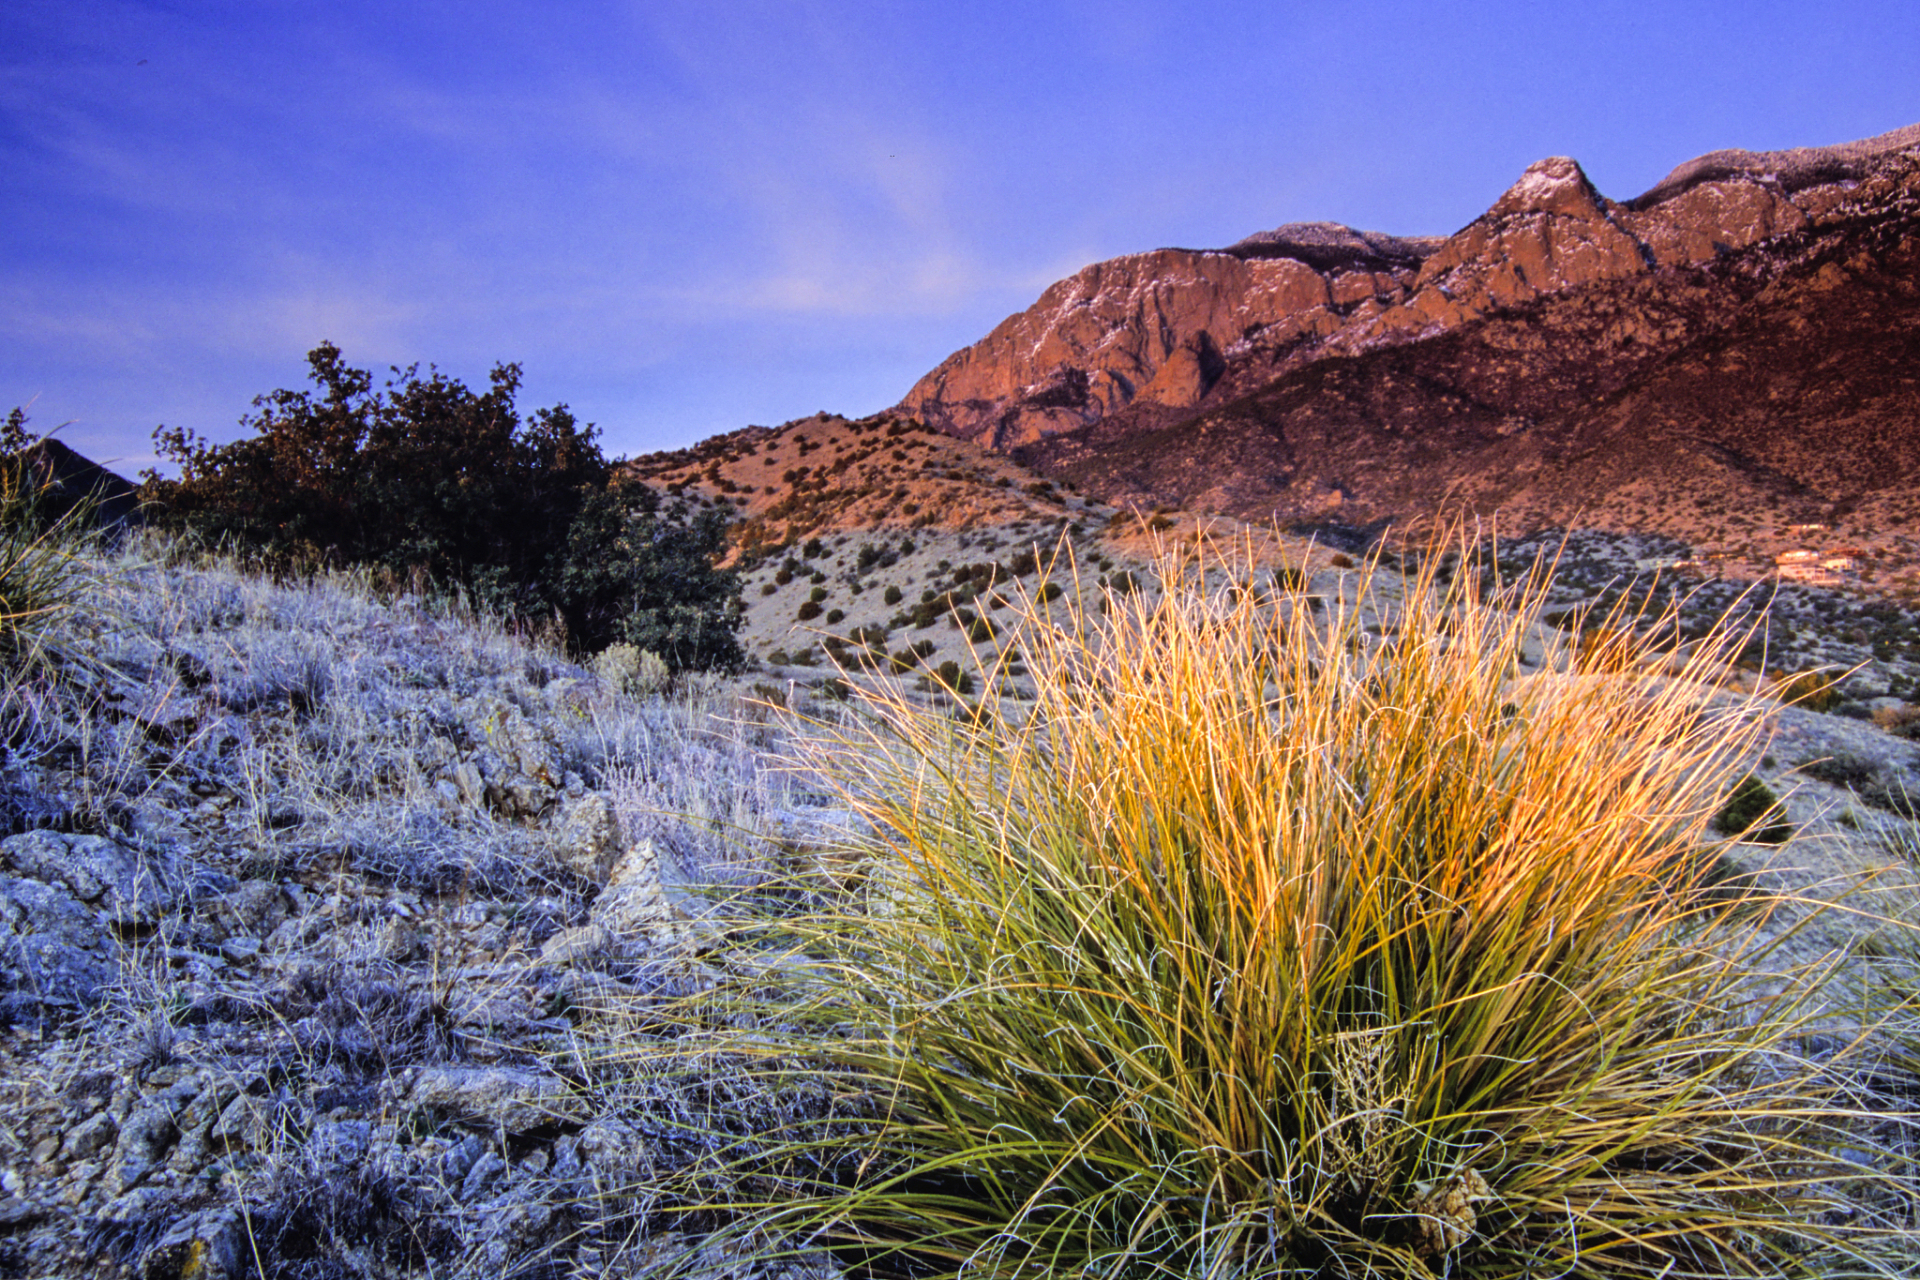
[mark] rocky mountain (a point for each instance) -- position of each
(1737, 342)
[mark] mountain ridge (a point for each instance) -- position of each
(1771, 290)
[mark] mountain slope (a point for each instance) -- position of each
(1742, 336)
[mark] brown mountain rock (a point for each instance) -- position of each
(1741, 336)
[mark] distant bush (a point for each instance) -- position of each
(631, 670)
(1813, 690)
(892, 594)
(428, 477)
(951, 676)
(1753, 812)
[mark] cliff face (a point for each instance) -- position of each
(1315, 367)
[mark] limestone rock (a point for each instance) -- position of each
(57, 950)
(635, 908)
(210, 1244)
(504, 1100)
(132, 887)
(590, 840)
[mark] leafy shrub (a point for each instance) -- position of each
(1753, 812)
(428, 477)
(892, 594)
(1393, 974)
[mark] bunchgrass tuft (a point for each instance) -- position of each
(46, 563)
(1267, 941)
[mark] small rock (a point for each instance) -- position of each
(254, 908)
(243, 1124)
(588, 942)
(208, 1245)
(472, 788)
(634, 906)
(524, 797)
(590, 841)
(460, 1158)
(89, 1136)
(149, 1131)
(485, 1170)
(240, 949)
(506, 1100)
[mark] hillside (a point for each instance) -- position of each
(332, 923)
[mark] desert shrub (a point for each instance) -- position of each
(631, 670)
(428, 477)
(1394, 974)
(1815, 690)
(809, 610)
(1753, 812)
(892, 594)
(950, 675)
(836, 616)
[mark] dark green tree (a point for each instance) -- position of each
(427, 475)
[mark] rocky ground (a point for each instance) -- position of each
(326, 919)
(304, 904)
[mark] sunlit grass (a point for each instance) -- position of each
(1257, 945)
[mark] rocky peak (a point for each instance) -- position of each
(1556, 185)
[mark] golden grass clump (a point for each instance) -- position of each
(1259, 945)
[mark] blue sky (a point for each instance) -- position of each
(682, 218)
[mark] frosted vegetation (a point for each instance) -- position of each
(352, 932)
